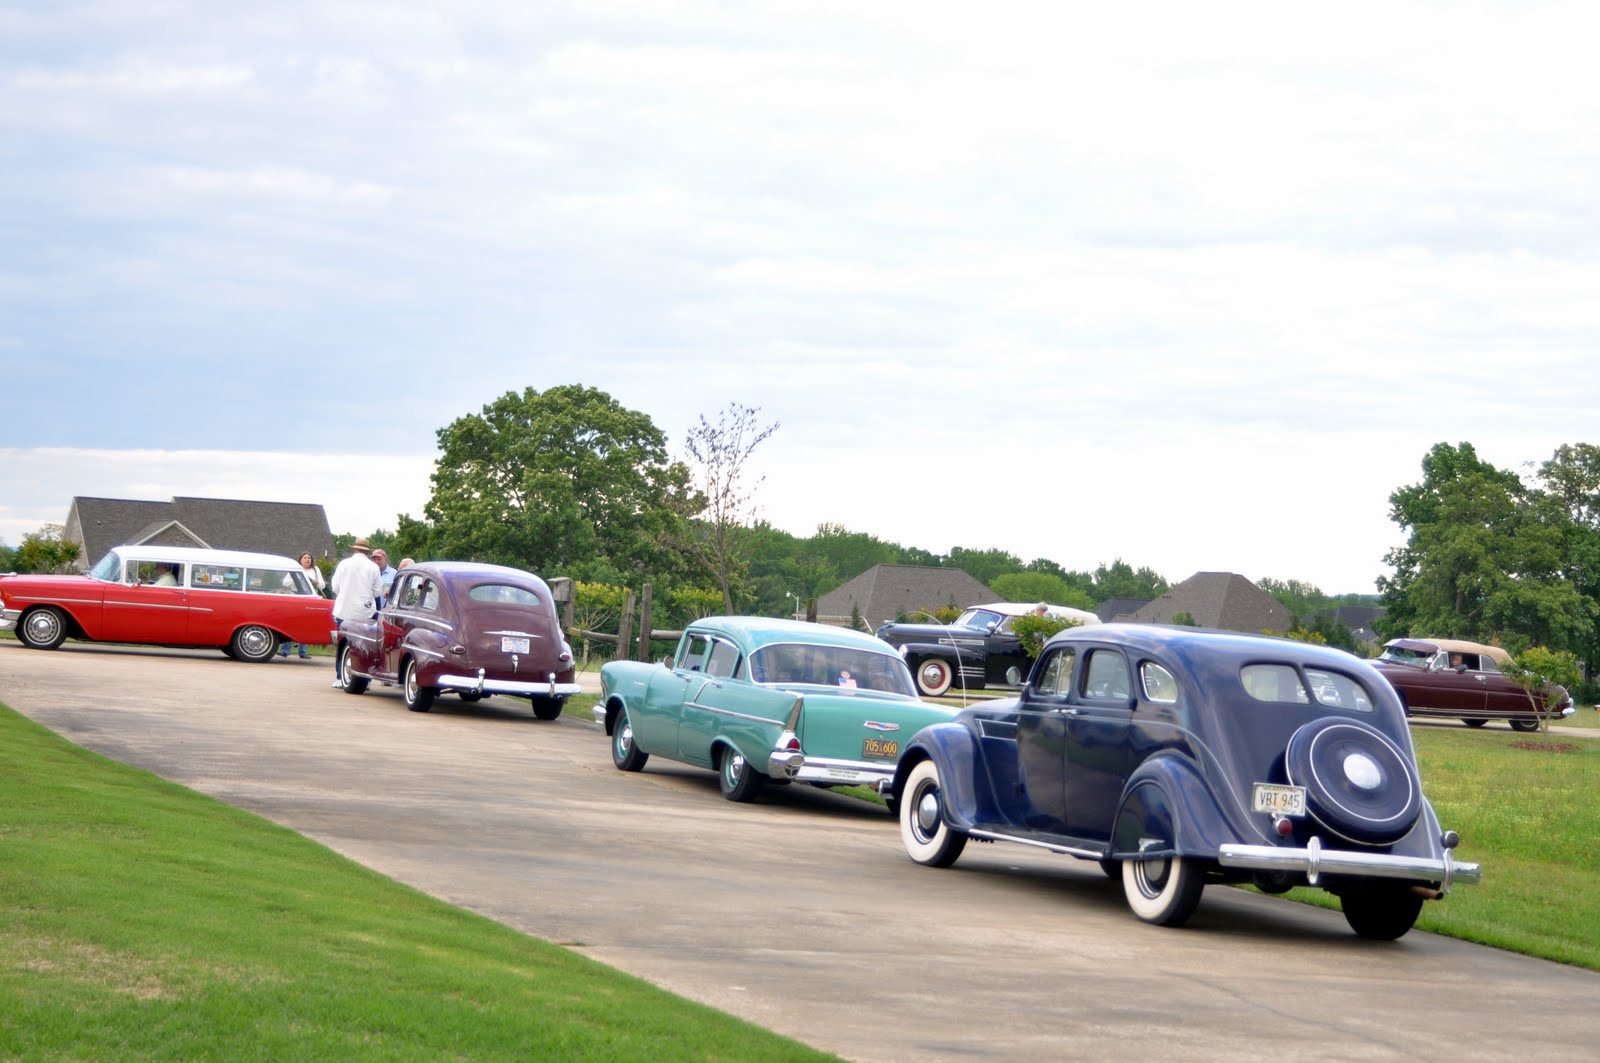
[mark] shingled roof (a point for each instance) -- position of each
(1223, 600)
(883, 592)
(98, 524)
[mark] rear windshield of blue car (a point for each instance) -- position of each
(830, 666)
(1286, 683)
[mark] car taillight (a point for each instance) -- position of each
(789, 742)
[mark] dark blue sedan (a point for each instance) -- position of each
(1177, 757)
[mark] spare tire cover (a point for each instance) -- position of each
(1359, 784)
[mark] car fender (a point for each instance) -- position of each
(1168, 809)
(954, 752)
(921, 651)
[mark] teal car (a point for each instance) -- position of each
(759, 700)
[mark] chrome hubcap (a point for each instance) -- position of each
(624, 738)
(928, 812)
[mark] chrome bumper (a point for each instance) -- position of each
(786, 764)
(8, 619)
(477, 684)
(845, 772)
(1316, 861)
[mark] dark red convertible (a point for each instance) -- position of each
(1465, 680)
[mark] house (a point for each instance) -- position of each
(884, 592)
(1224, 600)
(287, 528)
(1118, 608)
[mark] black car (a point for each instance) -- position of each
(1178, 757)
(978, 650)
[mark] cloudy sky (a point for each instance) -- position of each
(1194, 286)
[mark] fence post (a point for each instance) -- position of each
(644, 623)
(625, 627)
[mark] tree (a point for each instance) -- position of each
(1544, 675)
(1039, 587)
(984, 565)
(566, 482)
(7, 557)
(1119, 580)
(1034, 631)
(1483, 559)
(45, 551)
(719, 453)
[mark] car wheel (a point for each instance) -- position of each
(1474, 723)
(1525, 724)
(1163, 890)
(928, 839)
(43, 628)
(933, 676)
(625, 753)
(349, 682)
(418, 697)
(739, 780)
(547, 708)
(1359, 784)
(1380, 911)
(253, 643)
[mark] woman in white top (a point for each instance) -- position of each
(314, 577)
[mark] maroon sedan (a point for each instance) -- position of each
(473, 630)
(1448, 677)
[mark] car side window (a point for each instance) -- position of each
(724, 659)
(1274, 682)
(215, 577)
(1159, 684)
(407, 593)
(692, 653)
(429, 597)
(1107, 675)
(1331, 688)
(1055, 675)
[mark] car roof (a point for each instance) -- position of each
(1182, 641)
(1497, 654)
(201, 556)
(1066, 612)
(473, 572)
(759, 631)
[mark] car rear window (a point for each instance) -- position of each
(1284, 683)
(502, 594)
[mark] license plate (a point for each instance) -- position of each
(513, 645)
(1270, 797)
(880, 748)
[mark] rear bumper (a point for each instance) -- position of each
(478, 684)
(8, 619)
(1315, 861)
(845, 772)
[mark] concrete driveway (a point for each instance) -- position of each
(801, 913)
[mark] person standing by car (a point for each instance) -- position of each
(386, 574)
(308, 567)
(357, 587)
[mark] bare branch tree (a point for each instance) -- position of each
(717, 455)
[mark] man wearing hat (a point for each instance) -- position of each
(357, 586)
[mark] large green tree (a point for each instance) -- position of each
(563, 482)
(1121, 580)
(1484, 557)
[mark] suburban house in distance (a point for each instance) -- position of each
(1224, 600)
(286, 528)
(883, 592)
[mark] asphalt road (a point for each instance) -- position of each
(802, 912)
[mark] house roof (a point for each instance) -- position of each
(1224, 600)
(883, 592)
(286, 528)
(1116, 608)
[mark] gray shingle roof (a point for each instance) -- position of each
(883, 592)
(1115, 608)
(1223, 600)
(98, 524)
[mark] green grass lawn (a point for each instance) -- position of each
(140, 920)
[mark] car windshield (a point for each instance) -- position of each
(1401, 655)
(108, 568)
(830, 666)
(979, 618)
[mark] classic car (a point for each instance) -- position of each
(755, 700)
(241, 603)
(976, 651)
(1178, 757)
(468, 629)
(1466, 680)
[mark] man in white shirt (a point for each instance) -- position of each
(356, 587)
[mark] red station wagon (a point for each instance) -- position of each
(244, 604)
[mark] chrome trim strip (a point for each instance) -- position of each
(1088, 854)
(442, 625)
(516, 634)
(1315, 860)
(729, 712)
(19, 596)
(506, 686)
